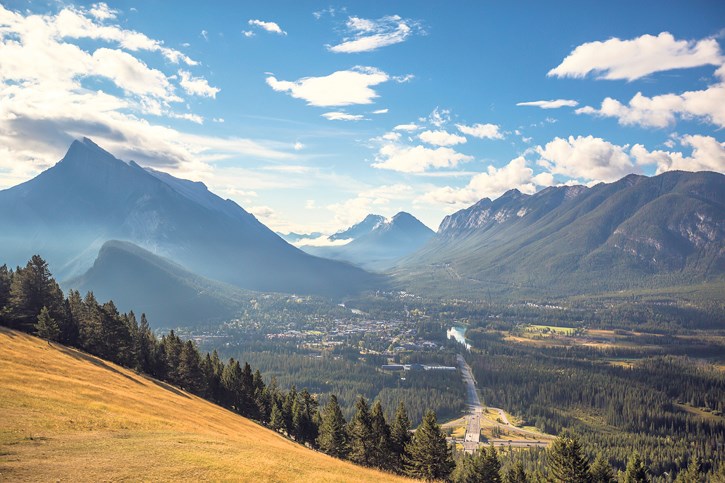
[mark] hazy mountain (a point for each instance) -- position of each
(136, 279)
(67, 212)
(379, 247)
(298, 237)
(636, 232)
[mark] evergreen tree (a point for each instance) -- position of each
(382, 456)
(213, 368)
(567, 461)
(400, 436)
(693, 473)
(145, 342)
(429, 455)
(601, 470)
(6, 280)
(33, 288)
(332, 438)
(172, 354)
(288, 410)
(276, 419)
(90, 326)
(360, 434)
(46, 326)
(232, 382)
(260, 403)
(191, 376)
(636, 471)
(516, 474)
(483, 467)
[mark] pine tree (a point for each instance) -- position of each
(360, 434)
(6, 280)
(488, 466)
(693, 473)
(400, 436)
(382, 456)
(46, 326)
(601, 470)
(260, 402)
(333, 438)
(145, 342)
(288, 410)
(567, 461)
(276, 419)
(636, 471)
(191, 376)
(248, 407)
(33, 288)
(232, 382)
(517, 474)
(429, 455)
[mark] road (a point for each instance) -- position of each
(473, 403)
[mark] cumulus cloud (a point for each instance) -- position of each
(585, 158)
(663, 110)
(481, 131)
(196, 86)
(490, 184)
(102, 11)
(636, 58)
(553, 104)
(417, 159)
(406, 127)
(271, 27)
(341, 88)
(441, 138)
(439, 117)
(708, 154)
(45, 103)
(366, 35)
(342, 116)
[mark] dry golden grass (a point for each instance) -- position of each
(68, 416)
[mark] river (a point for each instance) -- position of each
(458, 333)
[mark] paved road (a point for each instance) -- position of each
(472, 437)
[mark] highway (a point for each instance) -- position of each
(473, 403)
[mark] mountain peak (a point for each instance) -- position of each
(85, 151)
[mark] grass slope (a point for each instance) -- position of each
(68, 416)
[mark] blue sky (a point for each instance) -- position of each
(313, 114)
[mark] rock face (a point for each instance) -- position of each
(69, 211)
(378, 243)
(639, 231)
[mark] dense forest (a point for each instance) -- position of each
(639, 406)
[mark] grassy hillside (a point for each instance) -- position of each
(68, 416)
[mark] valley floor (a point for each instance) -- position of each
(68, 416)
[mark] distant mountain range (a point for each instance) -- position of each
(69, 211)
(634, 233)
(377, 243)
(166, 292)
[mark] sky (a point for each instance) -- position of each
(313, 114)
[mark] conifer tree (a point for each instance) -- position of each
(360, 434)
(488, 466)
(33, 288)
(276, 419)
(693, 473)
(429, 455)
(260, 403)
(288, 410)
(232, 382)
(6, 280)
(517, 474)
(601, 470)
(636, 471)
(332, 438)
(567, 461)
(400, 436)
(382, 456)
(145, 342)
(191, 376)
(46, 326)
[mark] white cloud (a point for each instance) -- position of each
(368, 35)
(481, 131)
(205, 34)
(439, 117)
(197, 86)
(708, 154)
(585, 158)
(391, 136)
(663, 110)
(321, 241)
(490, 184)
(342, 116)
(298, 146)
(187, 116)
(380, 111)
(341, 88)
(417, 159)
(636, 58)
(441, 138)
(406, 127)
(248, 33)
(268, 26)
(552, 104)
(101, 11)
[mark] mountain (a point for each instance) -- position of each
(63, 409)
(70, 210)
(634, 233)
(171, 296)
(377, 243)
(292, 237)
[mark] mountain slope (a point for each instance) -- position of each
(377, 243)
(89, 197)
(167, 293)
(637, 232)
(71, 416)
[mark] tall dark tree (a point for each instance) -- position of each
(333, 437)
(400, 436)
(213, 369)
(288, 410)
(382, 456)
(482, 467)
(191, 376)
(6, 280)
(636, 471)
(145, 342)
(90, 324)
(32, 288)
(567, 461)
(232, 382)
(517, 474)
(601, 470)
(46, 326)
(260, 403)
(429, 455)
(276, 418)
(360, 434)
(248, 407)
(693, 472)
